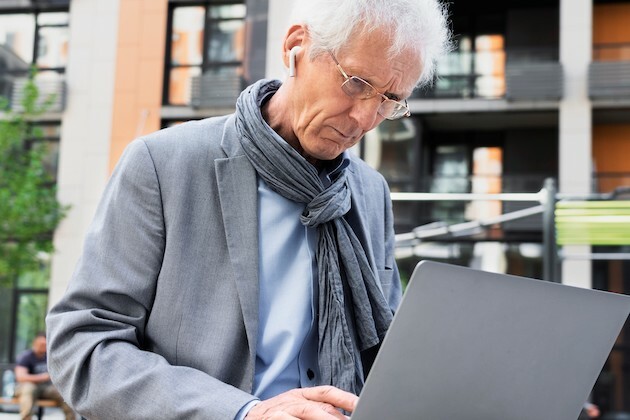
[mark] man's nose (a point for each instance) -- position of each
(365, 113)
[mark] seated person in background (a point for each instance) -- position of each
(31, 374)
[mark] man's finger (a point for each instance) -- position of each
(331, 395)
(314, 411)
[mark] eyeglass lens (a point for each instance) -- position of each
(358, 88)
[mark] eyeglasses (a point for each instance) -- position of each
(355, 87)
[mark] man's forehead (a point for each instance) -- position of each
(368, 56)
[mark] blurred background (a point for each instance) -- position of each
(515, 160)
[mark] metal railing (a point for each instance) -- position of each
(409, 214)
(544, 202)
(567, 219)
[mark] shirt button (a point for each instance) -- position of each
(310, 374)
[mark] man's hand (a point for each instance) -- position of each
(320, 402)
(22, 375)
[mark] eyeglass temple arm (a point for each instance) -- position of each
(338, 65)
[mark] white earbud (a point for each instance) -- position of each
(292, 54)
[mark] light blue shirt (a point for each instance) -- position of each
(286, 351)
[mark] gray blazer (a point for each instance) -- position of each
(160, 319)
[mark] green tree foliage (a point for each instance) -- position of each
(29, 210)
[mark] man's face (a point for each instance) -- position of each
(39, 346)
(326, 121)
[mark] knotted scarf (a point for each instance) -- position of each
(341, 261)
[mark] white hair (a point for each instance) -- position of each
(419, 26)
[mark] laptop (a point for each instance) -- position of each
(468, 344)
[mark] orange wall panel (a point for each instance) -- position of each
(611, 147)
(611, 23)
(611, 151)
(139, 72)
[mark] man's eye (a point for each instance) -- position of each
(357, 84)
(360, 88)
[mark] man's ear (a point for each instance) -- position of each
(295, 37)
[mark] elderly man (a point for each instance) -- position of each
(242, 266)
(31, 374)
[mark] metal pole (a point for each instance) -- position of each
(409, 196)
(550, 250)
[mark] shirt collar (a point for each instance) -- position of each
(333, 168)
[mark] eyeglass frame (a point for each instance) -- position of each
(376, 92)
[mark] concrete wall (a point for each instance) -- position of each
(86, 129)
(575, 169)
(114, 77)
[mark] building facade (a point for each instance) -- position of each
(534, 90)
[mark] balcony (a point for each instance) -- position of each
(609, 73)
(215, 89)
(52, 92)
(533, 74)
(530, 81)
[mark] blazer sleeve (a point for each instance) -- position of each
(96, 332)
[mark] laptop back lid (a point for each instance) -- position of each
(468, 344)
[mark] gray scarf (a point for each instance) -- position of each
(343, 268)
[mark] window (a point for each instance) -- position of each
(32, 39)
(50, 134)
(17, 38)
(52, 42)
(475, 70)
(23, 305)
(204, 39)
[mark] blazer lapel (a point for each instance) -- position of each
(238, 194)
